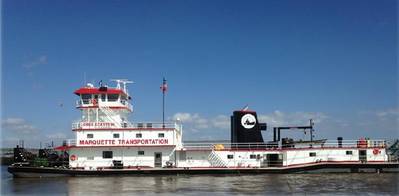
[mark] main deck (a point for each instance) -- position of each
(329, 167)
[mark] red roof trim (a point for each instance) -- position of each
(88, 90)
(61, 148)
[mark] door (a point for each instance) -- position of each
(157, 159)
(274, 160)
(363, 156)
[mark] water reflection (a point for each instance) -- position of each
(275, 184)
(243, 184)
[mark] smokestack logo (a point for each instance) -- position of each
(248, 121)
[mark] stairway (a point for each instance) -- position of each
(110, 116)
(215, 160)
(394, 148)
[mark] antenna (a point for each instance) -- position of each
(84, 78)
(121, 84)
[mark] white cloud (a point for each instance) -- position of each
(56, 136)
(278, 118)
(41, 60)
(18, 125)
(193, 121)
(221, 122)
(392, 112)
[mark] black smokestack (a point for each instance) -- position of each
(245, 127)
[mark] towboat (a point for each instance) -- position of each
(107, 143)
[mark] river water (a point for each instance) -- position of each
(272, 184)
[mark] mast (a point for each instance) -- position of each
(164, 88)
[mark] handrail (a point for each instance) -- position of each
(327, 144)
(144, 125)
(232, 146)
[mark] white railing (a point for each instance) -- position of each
(295, 145)
(70, 142)
(232, 146)
(110, 125)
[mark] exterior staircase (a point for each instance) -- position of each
(110, 116)
(393, 149)
(215, 160)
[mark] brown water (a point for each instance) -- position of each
(272, 184)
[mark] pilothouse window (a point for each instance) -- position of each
(113, 97)
(86, 98)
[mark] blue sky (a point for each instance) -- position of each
(335, 61)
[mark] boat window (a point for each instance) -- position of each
(138, 135)
(252, 156)
(90, 158)
(230, 156)
(107, 155)
(86, 98)
(140, 152)
(161, 135)
(116, 135)
(103, 97)
(113, 97)
(90, 135)
(312, 154)
(349, 152)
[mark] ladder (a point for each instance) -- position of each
(111, 116)
(215, 160)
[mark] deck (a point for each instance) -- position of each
(21, 171)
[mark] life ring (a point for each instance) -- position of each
(94, 101)
(376, 151)
(73, 157)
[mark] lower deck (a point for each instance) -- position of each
(329, 167)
